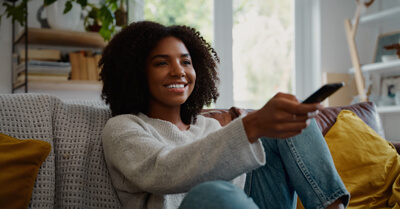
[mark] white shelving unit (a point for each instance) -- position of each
(383, 17)
(377, 19)
(389, 109)
(58, 39)
(380, 67)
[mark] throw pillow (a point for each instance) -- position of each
(20, 161)
(368, 164)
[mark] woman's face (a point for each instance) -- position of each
(170, 73)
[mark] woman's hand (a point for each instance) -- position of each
(282, 117)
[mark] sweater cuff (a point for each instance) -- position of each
(254, 152)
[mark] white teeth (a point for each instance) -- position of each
(176, 86)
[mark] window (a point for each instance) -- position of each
(262, 48)
(263, 36)
(195, 13)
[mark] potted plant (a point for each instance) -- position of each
(101, 18)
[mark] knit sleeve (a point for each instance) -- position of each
(140, 162)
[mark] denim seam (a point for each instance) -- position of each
(305, 171)
(333, 198)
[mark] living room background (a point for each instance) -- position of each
(319, 47)
(299, 16)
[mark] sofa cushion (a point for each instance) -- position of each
(20, 161)
(30, 116)
(365, 110)
(368, 164)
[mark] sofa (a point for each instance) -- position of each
(74, 173)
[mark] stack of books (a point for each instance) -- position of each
(45, 70)
(43, 65)
(84, 65)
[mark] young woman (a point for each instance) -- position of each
(157, 147)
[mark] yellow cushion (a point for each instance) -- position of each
(368, 164)
(20, 161)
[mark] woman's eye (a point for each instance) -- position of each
(161, 63)
(187, 62)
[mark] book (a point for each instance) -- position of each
(60, 68)
(74, 61)
(91, 68)
(83, 72)
(84, 65)
(97, 58)
(42, 77)
(49, 63)
(41, 54)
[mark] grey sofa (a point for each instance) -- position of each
(75, 175)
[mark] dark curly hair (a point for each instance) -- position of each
(123, 68)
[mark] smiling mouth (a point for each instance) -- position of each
(175, 86)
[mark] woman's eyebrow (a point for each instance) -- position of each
(185, 55)
(159, 56)
(166, 56)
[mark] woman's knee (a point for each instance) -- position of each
(217, 194)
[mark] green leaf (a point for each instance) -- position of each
(106, 15)
(105, 33)
(17, 13)
(48, 2)
(68, 7)
(83, 3)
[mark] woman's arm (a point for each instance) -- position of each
(148, 164)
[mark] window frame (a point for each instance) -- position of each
(307, 46)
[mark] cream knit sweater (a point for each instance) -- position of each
(153, 164)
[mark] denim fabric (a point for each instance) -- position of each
(299, 165)
(217, 194)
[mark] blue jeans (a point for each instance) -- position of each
(299, 165)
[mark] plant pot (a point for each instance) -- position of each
(58, 20)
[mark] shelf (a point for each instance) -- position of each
(44, 36)
(386, 16)
(381, 67)
(389, 109)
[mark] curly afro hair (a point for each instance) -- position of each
(123, 68)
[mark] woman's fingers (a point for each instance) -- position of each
(283, 116)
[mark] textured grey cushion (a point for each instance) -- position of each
(30, 116)
(74, 175)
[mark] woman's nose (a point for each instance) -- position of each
(178, 71)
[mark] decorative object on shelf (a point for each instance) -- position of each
(390, 90)
(395, 47)
(384, 45)
(42, 21)
(388, 58)
(106, 13)
(56, 18)
(351, 30)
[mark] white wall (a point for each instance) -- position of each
(5, 56)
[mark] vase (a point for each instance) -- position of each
(58, 20)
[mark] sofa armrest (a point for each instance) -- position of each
(365, 110)
(396, 144)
